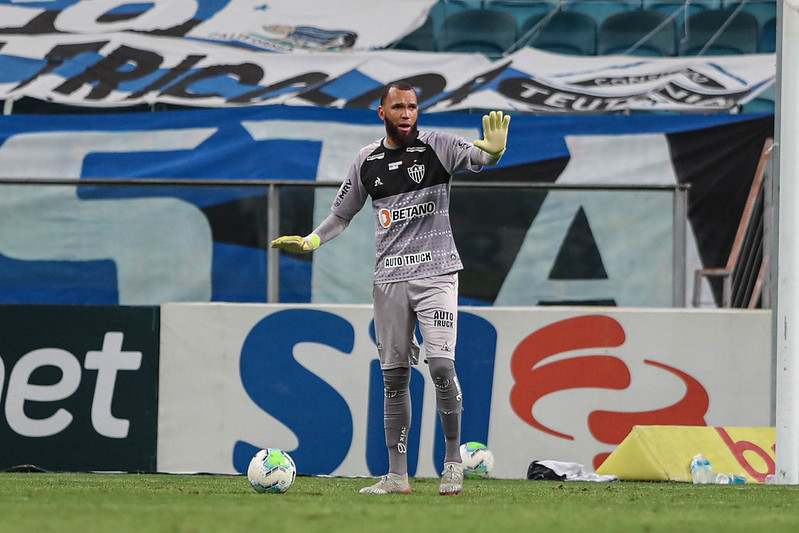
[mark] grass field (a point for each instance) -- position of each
(198, 503)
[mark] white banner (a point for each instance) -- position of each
(212, 54)
(276, 25)
(562, 384)
(548, 82)
(291, 25)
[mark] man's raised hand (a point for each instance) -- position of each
(495, 133)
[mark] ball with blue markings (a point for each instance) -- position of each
(477, 459)
(272, 470)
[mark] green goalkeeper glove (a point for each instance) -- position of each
(297, 244)
(495, 133)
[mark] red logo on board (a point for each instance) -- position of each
(534, 379)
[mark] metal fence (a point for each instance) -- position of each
(274, 188)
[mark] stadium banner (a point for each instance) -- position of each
(277, 25)
(144, 245)
(563, 384)
(79, 387)
(111, 53)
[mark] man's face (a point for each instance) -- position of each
(400, 112)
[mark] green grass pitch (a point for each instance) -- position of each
(199, 503)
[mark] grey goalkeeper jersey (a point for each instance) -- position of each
(410, 191)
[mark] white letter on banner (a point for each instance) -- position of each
(21, 390)
(82, 16)
(107, 362)
(17, 17)
(632, 229)
(162, 247)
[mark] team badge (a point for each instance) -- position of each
(416, 172)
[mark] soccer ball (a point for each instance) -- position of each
(271, 470)
(478, 461)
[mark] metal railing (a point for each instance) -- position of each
(273, 188)
(744, 283)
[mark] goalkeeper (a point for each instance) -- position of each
(407, 174)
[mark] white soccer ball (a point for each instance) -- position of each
(478, 461)
(271, 470)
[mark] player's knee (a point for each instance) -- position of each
(396, 380)
(445, 380)
(441, 369)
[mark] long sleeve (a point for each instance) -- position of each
(330, 227)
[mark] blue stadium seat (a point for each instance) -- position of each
(680, 10)
(651, 33)
(670, 6)
(444, 8)
(563, 32)
(485, 31)
(763, 11)
(599, 10)
(767, 42)
(704, 34)
(522, 9)
(420, 40)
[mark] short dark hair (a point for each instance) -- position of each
(399, 85)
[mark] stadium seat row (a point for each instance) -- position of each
(599, 27)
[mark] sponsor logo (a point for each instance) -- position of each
(401, 445)
(407, 260)
(416, 172)
(108, 362)
(394, 165)
(374, 157)
(378, 182)
(535, 379)
(589, 93)
(443, 319)
(416, 149)
(387, 217)
(342, 192)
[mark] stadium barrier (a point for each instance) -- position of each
(199, 387)
(564, 384)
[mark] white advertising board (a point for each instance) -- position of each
(563, 384)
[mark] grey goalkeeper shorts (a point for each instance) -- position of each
(432, 302)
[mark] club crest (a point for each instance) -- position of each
(416, 172)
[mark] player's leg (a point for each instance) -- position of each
(397, 417)
(449, 402)
(398, 350)
(396, 420)
(436, 304)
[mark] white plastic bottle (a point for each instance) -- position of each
(701, 470)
